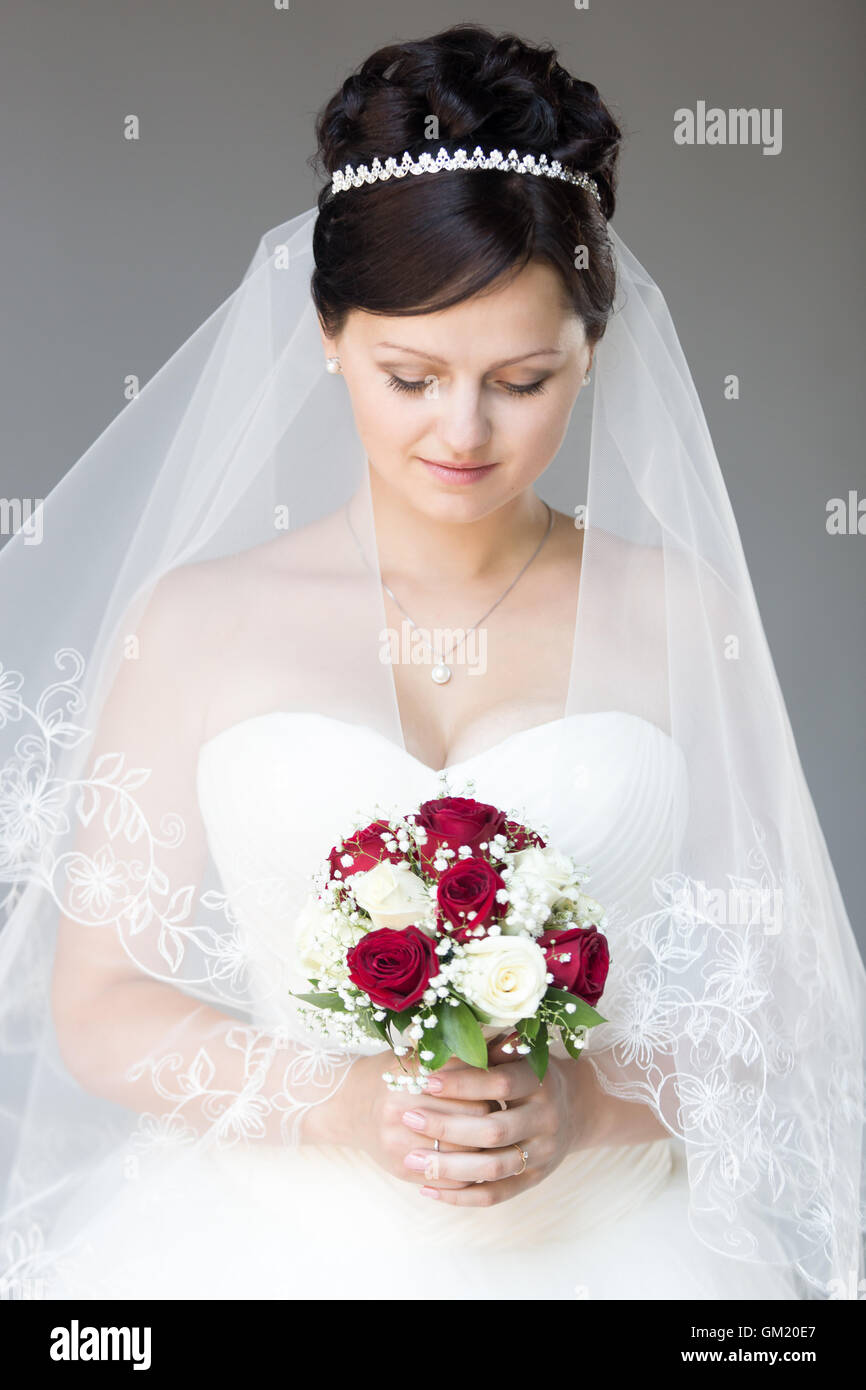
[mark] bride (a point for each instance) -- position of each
(323, 582)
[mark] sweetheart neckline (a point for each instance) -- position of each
(404, 752)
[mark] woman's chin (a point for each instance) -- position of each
(463, 503)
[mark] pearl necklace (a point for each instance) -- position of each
(441, 672)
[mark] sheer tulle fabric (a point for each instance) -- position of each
(736, 995)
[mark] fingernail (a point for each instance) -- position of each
(416, 1161)
(414, 1119)
(429, 1192)
(432, 1084)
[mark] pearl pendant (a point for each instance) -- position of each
(440, 673)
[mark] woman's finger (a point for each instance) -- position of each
(483, 1194)
(507, 1082)
(453, 1105)
(492, 1131)
(458, 1166)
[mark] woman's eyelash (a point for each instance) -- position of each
(416, 387)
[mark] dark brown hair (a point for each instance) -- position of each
(421, 243)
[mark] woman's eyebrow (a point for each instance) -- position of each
(429, 357)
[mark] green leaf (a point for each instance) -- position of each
(584, 1014)
(528, 1027)
(477, 1013)
(462, 1032)
(322, 1001)
(434, 1041)
(570, 1045)
(402, 1020)
(540, 1054)
(374, 1026)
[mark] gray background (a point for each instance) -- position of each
(114, 252)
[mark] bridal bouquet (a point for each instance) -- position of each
(436, 930)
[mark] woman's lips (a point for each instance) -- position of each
(458, 473)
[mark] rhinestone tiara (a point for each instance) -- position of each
(426, 163)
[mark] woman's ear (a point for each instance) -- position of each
(329, 346)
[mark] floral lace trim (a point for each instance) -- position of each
(709, 1020)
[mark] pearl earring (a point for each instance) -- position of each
(332, 364)
(587, 379)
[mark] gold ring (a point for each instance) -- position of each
(524, 1155)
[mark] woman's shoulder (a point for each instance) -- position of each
(216, 589)
(613, 556)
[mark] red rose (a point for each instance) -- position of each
(470, 885)
(452, 821)
(393, 967)
(585, 973)
(367, 849)
(520, 837)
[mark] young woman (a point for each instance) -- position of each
(323, 579)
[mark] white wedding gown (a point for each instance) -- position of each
(254, 1220)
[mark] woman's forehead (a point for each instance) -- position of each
(526, 315)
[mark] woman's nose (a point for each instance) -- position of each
(463, 420)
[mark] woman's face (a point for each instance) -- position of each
(461, 410)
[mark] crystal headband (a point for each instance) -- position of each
(349, 177)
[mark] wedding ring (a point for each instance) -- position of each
(524, 1155)
(436, 1145)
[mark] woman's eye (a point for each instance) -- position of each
(399, 384)
(532, 389)
(414, 387)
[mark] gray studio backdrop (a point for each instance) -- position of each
(113, 251)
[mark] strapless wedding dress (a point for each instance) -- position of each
(325, 1221)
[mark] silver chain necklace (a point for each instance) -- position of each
(441, 671)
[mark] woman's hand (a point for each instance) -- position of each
(478, 1164)
(462, 1106)
(372, 1116)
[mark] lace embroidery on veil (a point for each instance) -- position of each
(734, 1133)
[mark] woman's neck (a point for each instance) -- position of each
(413, 545)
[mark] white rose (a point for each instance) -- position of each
(587, 910)
(503, 976)
(322, 938)
(550, 874)
(393, 896)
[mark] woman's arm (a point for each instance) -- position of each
(521, 1144)
(125, 1027)
(149, 1047)
(596, 1119)
(125, 1030)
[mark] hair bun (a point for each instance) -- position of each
(419, 245)
(465, 87)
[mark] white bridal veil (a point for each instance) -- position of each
(736, 995)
